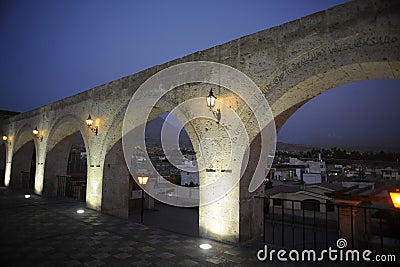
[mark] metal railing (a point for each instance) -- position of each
(2, 174)
(69, 186)
(316, 225)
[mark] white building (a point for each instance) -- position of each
(189, 177)
(189, 173)
(314, 173)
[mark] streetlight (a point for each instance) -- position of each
(142, 181)
(395, 198)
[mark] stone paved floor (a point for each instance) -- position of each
(48, 232)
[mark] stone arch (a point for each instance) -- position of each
(2, 163)
(116, 176)
(67, 122)
(114, 132)
(23, 136)
(58, 147)
(295, 97)
(24, 159)
(115, 185)
(290, 94)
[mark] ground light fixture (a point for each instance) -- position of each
(36, 133)
(205, 246)
(80, 211)
(395, 198)
(89, 124)
(27, 196)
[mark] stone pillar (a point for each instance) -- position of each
(9, 157)
(236, 216)
(219, 201)
(39, 178)
(95, 168)
(220, 220)
(7, 174)
(40, 167)
(94, 186)
(116, 189)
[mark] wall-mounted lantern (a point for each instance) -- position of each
(89, 123)
(36, 134)
(5, 138)
(211, 104)
(211, 100)
(142, 181)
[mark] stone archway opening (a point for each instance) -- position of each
(366, 109)
(24, 167)
(122, 196)
(2, 164)
(65, 172)
(297, 99)
(162, 215)
(65, 168)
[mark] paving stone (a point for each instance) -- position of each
(166, 255)
(48, 232)
(188, 263)
(122, 255)
(94, 263)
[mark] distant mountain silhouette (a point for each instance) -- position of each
(153, 133)
(280, 146)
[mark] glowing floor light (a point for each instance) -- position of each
(205, 246)
(80, 211)
(27, 196)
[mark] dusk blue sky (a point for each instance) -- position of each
(50, 50)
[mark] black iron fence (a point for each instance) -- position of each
(310, 224)
(2, 174)
(69, 186)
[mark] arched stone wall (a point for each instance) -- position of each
(22, 166)
(2, 163)
(291, 64)
(116, 175)
(115, 196)
(23, 136)
(59, 142)
(301, 93)
(56, 164)
(66, 126)
(24, 151)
